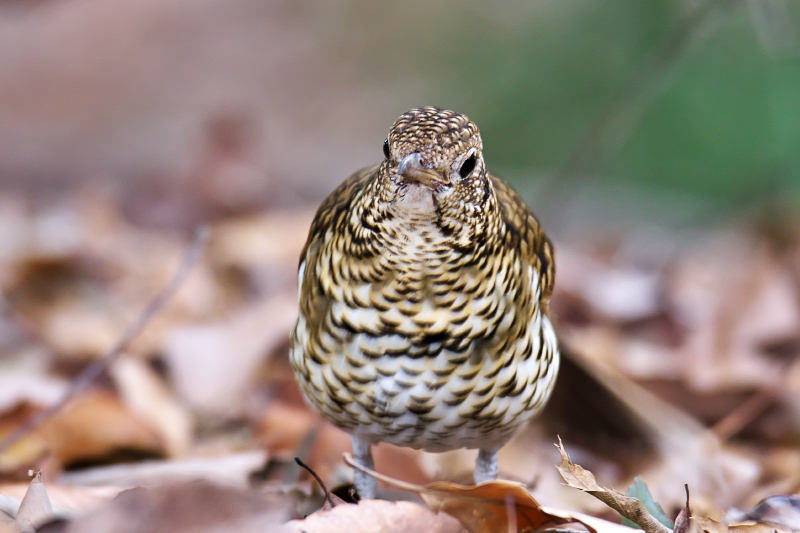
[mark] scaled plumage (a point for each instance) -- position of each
(423, 299)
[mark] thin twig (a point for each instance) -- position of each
(686, 488)
(85, 378)
(308, 469)
(743, 414)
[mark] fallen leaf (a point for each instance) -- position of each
(283, 425)
(181, 508)
(147, 396)
(96, 425)
(232, 470)
(707, 525)
(66, 499)
(212, 364)
(628, 507)
(24, 380)
(759, 528)
(93, 426)
(8, 509)
(688, 451)
(272, 238)
(779, 510)
(375, 515)
(482, 508)
(35, 508)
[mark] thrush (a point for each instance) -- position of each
(424, 289)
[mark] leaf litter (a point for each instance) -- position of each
(681, 369)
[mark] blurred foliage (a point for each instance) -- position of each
(695, 97)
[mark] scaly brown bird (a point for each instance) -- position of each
(424, 286)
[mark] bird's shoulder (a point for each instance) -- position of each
(331, 213)
(525, 233)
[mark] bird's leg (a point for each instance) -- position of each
(365, 484)
(485, 466)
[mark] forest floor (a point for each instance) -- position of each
(680, 368)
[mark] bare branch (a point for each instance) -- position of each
(85, 378)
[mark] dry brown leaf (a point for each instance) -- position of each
(482, 508)
(24, 380)
(35, 508)
(283, 425)
(181, 508)
(97, 424)
(22, 456)
(759, 528)
(94, 425)
(689, 452)
(145, 393)
(250, 242)
(211, 365)
(375, 515)
(706, 525)
(232, 470)
(779, 510)
(630, 508)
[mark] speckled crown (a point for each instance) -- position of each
(434, 131)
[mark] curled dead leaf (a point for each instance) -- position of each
(484, 508)
(631, 508)
(480, 508)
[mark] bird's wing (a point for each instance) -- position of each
(329, 214)
(525, 234)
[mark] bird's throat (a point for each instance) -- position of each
(417, 201)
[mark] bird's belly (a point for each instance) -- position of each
(418, 409)
(449, 400)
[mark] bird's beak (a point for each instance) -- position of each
(411, 168)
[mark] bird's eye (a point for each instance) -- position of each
(386, 151)
(467, 167)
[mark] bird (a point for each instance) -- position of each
(424, 290)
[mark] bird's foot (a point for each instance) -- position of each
(365, 484)
(485, 466)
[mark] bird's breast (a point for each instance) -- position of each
(423, 344)
(420, 295)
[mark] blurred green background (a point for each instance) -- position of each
(696, 101)
(695, 97)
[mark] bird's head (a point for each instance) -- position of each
(434, 168)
